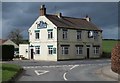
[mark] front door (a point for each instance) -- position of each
(88, 53)
(31, 53)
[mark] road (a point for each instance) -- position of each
(82, 70)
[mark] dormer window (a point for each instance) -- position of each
(41, 24)
(90, 34)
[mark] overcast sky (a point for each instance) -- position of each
(22, 15)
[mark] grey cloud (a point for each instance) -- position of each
(23, 14)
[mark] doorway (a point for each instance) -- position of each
(88, 53)
(32, 54)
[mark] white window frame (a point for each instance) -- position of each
(78, 35)
(65, 34)
(79, 50)
(65, 50)
(50, 50)
(96, 50)
(50, 34)
(36, 35)
(37, 48)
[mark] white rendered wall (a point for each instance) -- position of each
(24, 50)
(43, 42)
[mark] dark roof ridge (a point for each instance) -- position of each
(66, 16)
(72, 22)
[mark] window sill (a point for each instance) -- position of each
(78, 54)
(50, 38)
(37, 39)
(37, 54)
(64, 54)
(65, 39)
(50, 54)
(79, 39)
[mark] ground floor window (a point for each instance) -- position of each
(79, 50)
(64, 50)
(96, 50)
(37, 49)
(51, 50)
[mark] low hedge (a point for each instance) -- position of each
(7, 52)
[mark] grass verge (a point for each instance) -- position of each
(9, 71)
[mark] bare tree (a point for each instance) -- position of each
(16, 36)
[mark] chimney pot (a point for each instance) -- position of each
(59, 15)
(88, 18)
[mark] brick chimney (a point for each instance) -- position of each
(42, 10)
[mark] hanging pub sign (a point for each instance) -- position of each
(90, 34)
(41, 24)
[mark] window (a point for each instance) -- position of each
(37, 34)
(37, 49)
(51, 50)
(96, 50)
(95, 34)
(65, 50)
(64, 34)
(78, 34)
(79, 50)
(50, 33)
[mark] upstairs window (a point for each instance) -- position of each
(37, 34)
(64, 33)
(78, 35)
(50, 33)
(95, 34)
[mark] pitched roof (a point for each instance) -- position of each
(2, 41)
(72, 23)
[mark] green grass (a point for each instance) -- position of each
(108, 45)
(8, 71)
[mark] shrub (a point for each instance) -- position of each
(115, 59)
(106, 55)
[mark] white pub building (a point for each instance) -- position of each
(58, 37)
